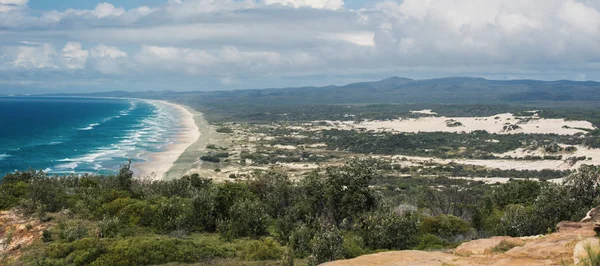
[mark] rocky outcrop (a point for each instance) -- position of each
(17, 232)
(551, 249)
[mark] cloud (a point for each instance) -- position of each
(73, 56)
(14, 2)
(12, 5)
(28, 57)
(320, 4)
(108, 60)
(245, 42)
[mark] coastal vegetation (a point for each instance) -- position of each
(333, 213)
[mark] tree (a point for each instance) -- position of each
(125, 176)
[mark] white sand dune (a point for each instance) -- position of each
(492, 124)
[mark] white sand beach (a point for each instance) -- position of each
(160, 163)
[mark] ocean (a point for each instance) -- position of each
(81, 135)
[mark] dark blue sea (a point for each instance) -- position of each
(80, 135)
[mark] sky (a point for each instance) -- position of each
(182, 45)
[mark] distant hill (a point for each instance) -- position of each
(394, 90)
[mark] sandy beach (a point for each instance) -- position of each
(160, 163)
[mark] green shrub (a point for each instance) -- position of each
(46, 236)
(431, 242)
(326, 246)
(247, 218)
(384, 229)
(265, 249)
(222, 155)
(445, 226)
(210, 158)
(300, 241)
(352, 246)
(71, 230)
(173, 214)
(205, 209)
(224, 130)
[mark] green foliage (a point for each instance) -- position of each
(125, 177)
(516, 192)
(326, 246)
(210, 158)
(247, 218)
(173, 214)
(46, 236)
(224, 130)
(71, 230)
(353, 246)
(447, 227)
(384, 229)
(431, 242)
(265, 249)
(130, 251)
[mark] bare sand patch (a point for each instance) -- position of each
(500, 124)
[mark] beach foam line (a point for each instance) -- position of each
(182, 133)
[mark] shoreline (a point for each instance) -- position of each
(160, 163)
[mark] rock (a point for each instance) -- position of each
(484, 246)
(583, 249)
(552, 249)
(565, 226)
(592, 216)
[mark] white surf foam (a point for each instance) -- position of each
(90, 126)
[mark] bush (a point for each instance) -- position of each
(265, 249)
(247, 218)
(46, 236)
(224, 130)
(130, 251)
(431, 242)
(353, 246)
(205, 207)
(210, 158)
(72, 230)
(326, 246)
(447, 227)
(519, 220)
(384, 229)
(173, 214)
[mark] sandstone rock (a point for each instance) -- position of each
(484, 246)
(552, 249)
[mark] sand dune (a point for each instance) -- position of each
(500, 124)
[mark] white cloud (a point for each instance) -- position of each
(111, 52)
(11, 5)
(14, 2)
(73, 56)
(319, 4)
(358, 38)
(103, 10)
(231, 40)
(108, 59)
(29, 57)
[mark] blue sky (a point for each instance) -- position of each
(69, 45)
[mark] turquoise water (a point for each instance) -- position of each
(81, 135)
